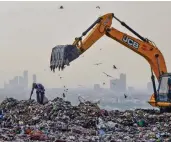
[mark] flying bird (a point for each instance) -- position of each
(61, 7)
(107, 74)
(98, 7)
(114, 67)
(103, 83)
(97, 64)
(125, 96)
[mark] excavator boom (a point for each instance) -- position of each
(62, 55)
(145, 49)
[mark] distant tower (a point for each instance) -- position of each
(34, 78)
(115, 85)
(123, 81)
(25, 75)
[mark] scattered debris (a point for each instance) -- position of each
(59, 121)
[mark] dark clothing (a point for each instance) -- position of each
(40, 97)
(40, 92)
(39, 87)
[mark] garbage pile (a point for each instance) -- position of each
(59, 121)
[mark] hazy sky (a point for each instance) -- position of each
(29, 31)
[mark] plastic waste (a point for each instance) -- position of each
(26, 120)
(101, 132)
(141, 123)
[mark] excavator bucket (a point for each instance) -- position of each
(62, 55)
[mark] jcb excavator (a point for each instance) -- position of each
(62, 55)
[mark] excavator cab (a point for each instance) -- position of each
(162, 95)
(164, 89)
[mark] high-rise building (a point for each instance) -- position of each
(15, 80)
(34, 78)
(25, 75)
(114, 84)
(123, 82)
(119, 85)
(21, 81)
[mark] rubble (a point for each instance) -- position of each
(59, 121)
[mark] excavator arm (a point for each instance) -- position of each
(62, 55)
(102, 26)
(151, 53)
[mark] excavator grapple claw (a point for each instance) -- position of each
(62, 55)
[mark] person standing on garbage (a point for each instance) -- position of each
(40, 92)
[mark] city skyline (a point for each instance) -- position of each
(18, 87)
(20, 82)
(118, 84)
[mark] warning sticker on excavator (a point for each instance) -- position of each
(130, 42)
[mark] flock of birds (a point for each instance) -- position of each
(97, 64)
(114, 67)
(62, 7)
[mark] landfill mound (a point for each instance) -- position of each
(59, 121)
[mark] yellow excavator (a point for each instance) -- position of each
(62, 55)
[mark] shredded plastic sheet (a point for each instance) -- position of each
(62, 55)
